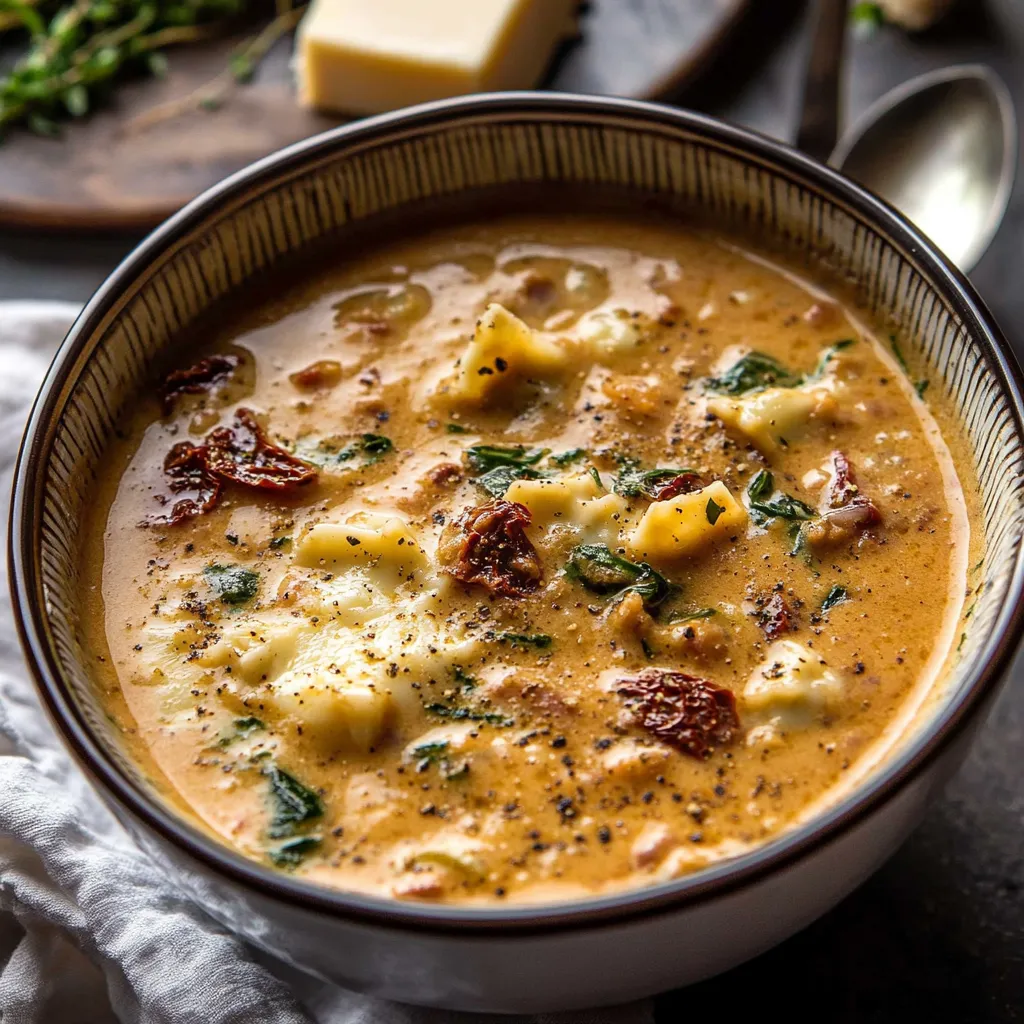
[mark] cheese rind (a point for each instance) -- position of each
(363, 57)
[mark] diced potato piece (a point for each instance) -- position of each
(682, 527)
(504, 350)
(770, 417)
(792, 687)
(388, 544)
(338, 713)
(608, 332)
(575, 502)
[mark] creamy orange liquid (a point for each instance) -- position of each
(355, 712)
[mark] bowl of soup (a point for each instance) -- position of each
(524, 552)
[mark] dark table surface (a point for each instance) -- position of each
(938, 934)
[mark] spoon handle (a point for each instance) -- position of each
(819, 121)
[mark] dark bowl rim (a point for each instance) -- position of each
(870, 795)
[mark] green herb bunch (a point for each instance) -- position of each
(77, 52)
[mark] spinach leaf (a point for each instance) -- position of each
(233, 584)
(537, 640)
(594, 566)
(567, 458)
(293, 803)
(762, 486)
(756, 371)
(499, 466)
(243, 729)
(713, 511)
(753, 372)
(836, 595)
(330, 451)
(293, 852)
(783, 507)
(632, 481)
(700, 613)
(920, 386)
(463, 678)
(428, 754)
(485, 457)
(461, 713)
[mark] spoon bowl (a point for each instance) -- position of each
(942, 149)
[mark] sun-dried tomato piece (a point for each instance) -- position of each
(843, 488)
(324, 373)
(487, 545)
(685, 483)
(196, 380)
(840, 525)
(775, 617)
(241, 453)
(687, 712)
(190, 479)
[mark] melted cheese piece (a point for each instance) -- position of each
(503, 351)
(682, 527)
(368, 57)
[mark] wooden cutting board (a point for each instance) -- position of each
(118, 170)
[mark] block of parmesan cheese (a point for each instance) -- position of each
(369, 56)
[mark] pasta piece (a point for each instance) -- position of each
(687, 525)
(504, 350)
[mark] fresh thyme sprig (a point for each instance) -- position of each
(77, 51)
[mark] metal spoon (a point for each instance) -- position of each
(942, 148)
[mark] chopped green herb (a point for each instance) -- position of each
(599, 570)
(762, 486)
(596, 477)
(700, 613)
(921, 387)
(970, 611)
(280, 542)
(460, 713)
(632, 481)
(456, 428)
(753, 372)
(836, 595)
(567, 458)
(293, 852)
(963, 640)
(234, 584)
(713, 511)
(975, 568)
(293, 803)
(525, 639)
(647, 649)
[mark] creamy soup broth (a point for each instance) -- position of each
(524, 560)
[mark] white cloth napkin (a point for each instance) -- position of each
(90, 931)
